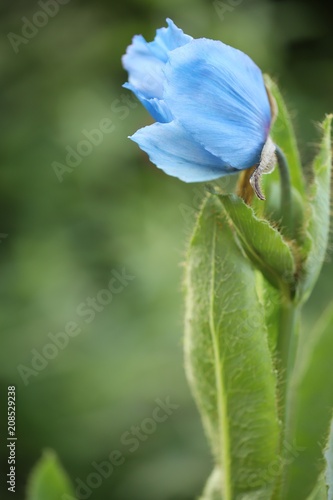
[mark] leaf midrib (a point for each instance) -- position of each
(224, 441)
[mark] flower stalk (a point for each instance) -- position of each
(241, 347)
(286, 192)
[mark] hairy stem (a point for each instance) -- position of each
(286, 351)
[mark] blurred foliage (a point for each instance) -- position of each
(61, 240)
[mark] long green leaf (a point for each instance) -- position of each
(310, 408)
(319, 211)
(263, 244)
(48, 480)
(228, 361)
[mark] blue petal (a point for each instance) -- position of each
(218, 95)
(173, 150)
(145, 61)
(145, 70)
(156, 107)
(168, 39)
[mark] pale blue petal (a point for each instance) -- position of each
(145, 61)
(156, 107)
(168, 39)
(145, 70)
(218, 95)
(173, 150)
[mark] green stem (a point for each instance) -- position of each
(289, 318)
(286, 194)
(286, 351)
(287, 340)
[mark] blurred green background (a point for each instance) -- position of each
(60, 241)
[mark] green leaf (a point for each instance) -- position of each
(48, 480)
(283, 134)
(329, 464)
(320, 490)
(318, 218)
(228, 362)
(310, 403)
(263, 244)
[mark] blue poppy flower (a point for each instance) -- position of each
(209, 101)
